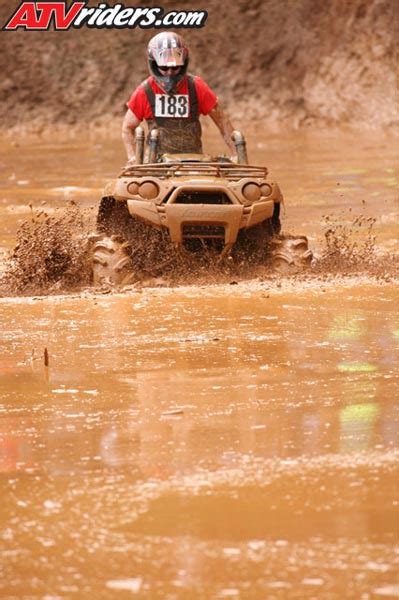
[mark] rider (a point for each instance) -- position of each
(172, 101)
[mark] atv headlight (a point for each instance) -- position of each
(133, 188)
(148, 190)
(251, 191)
(266, 189)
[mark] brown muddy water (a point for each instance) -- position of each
(204, 441)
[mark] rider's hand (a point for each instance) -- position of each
(131, 161)
(234, 158)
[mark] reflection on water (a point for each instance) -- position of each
(201, 443)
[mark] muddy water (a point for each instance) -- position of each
(235, 441)
(323, 173)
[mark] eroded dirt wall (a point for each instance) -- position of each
(293, 63)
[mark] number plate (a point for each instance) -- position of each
(171, 106)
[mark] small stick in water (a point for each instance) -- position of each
(45, 357)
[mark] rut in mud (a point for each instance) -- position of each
(53, 254)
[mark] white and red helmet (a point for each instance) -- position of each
(167, 49)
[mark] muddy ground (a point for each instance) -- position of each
(294, 63)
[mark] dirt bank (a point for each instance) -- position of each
(293, 63)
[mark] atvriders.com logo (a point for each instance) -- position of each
(42, 16)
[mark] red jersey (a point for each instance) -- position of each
(140, 106)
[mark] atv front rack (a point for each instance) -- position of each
(230, 171)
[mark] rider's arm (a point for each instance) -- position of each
(129, 125)
(223, 123)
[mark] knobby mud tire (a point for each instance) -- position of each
(152, 250)
(111, 261)
(290, 254)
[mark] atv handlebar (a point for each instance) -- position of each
(139, 145)
(237, 137)
(241, 147)
(153, 146)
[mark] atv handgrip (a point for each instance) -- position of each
(241, 147)
(153, 146)
(139, 145)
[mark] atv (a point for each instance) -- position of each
(171, 205)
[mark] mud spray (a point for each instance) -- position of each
(53, 255)
(350, 247)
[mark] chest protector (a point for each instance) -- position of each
(176, 116)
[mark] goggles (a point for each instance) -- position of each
(165, 69)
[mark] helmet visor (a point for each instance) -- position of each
(169, 57)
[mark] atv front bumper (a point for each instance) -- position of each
(202, 220)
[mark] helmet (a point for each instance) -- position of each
(167, 49)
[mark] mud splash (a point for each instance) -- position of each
(51, 254)
(350, 247)
(153, 254)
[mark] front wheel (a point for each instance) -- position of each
(290, 254)
(111, 261)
